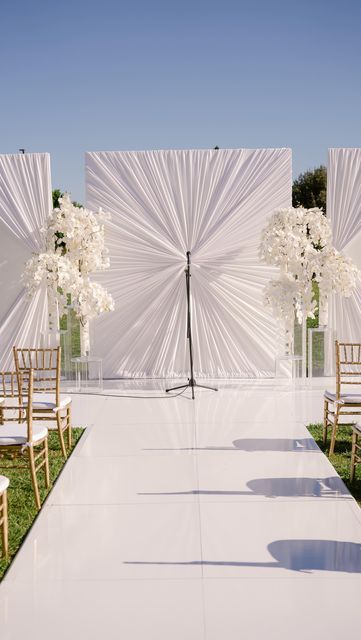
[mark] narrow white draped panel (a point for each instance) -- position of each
(213, 203)
(13, 255)
(344, 211)
(25, 202)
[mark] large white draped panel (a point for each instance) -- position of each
(344, 211)
(25, 202)
(213, 203)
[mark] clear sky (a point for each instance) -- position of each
(109, 75)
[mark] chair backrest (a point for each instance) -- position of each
(9, 394)
(29, 408)
(15, 386)
(348, 364)
(46, 366)
(8, 384)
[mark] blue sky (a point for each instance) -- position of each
(108, 75)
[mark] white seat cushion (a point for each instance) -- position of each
(4, 483)
(349, 398)
(10, 402)
(47, 401)
(357, 427)
(14, 433)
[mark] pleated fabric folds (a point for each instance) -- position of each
(214, 204)
(344, 211)
(25, 202)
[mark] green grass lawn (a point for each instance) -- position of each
(341, 458)
(22, 510)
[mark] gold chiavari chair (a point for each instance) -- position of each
(340, 405)
(48, 403)
(24, 445)
(4, 483)
(355, 450)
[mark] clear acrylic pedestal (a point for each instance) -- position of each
(66, 365)
(67, 368)
(88, 374)
(320, 352)
(49, 339)
(290, 360)
(289, 367)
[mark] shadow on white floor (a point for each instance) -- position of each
(212, 519)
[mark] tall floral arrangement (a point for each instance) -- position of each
(75, 248)
(299, 242)
(79, 234)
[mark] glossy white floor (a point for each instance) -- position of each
(213, 519)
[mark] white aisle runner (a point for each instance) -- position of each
(216, 519)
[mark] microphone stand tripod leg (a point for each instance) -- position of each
(191, 381)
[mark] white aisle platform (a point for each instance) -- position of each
(213, 519)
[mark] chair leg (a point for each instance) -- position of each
(61, 435)
(68, 422)
(34, 479)
(353, 456)
(46, 465)
(4, 526)
(325, 422)
(334, 431)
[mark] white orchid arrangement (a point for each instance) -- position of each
(61, 276)
(75, 247)
(286, 297)
(78, 233)
(299, 242)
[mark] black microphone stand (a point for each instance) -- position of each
(191, 381)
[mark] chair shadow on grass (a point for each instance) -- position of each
(296, 555)
(331, 487)
(299, 445)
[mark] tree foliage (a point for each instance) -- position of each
(56, 193)
(309, 189)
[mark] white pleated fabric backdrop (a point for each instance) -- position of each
(344, 211)
(213, 203)
(25, 202)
